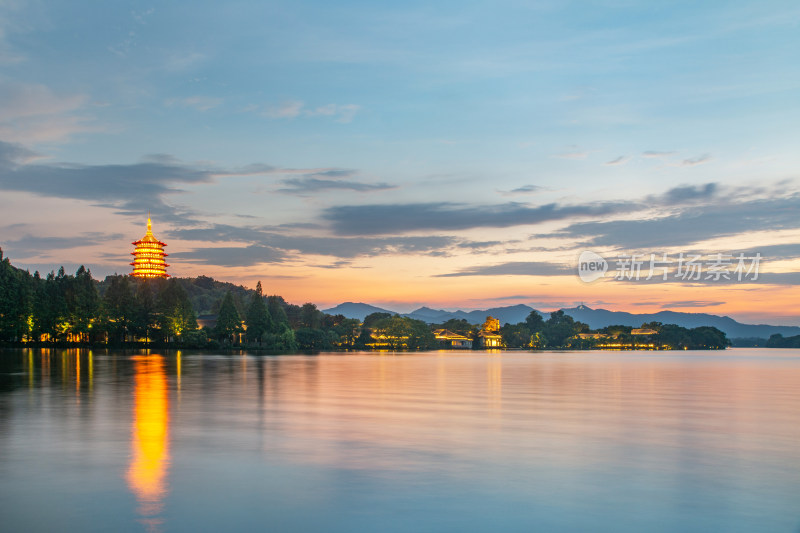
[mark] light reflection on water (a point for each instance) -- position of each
(442, 441)
(150, 438)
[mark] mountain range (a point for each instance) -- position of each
(595, 318)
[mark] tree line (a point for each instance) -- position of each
(561, 331)
(123, 310)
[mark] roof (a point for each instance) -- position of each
(149, 237)
(444, 334)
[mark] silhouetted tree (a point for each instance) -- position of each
(258, 319)
(229, 323)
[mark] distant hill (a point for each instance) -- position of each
(595, 318)
(511, 314)
(355, 310)
(506, 315)
(600, 318)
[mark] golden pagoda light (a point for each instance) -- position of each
(148, 256)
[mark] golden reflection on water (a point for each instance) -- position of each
(147, 473)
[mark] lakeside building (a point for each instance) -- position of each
(148, 256)
(449, 339)
(489, 335)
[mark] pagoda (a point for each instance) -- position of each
(148, 257)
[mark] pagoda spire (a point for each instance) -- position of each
(148, 256)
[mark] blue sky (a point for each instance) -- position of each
(347, 149)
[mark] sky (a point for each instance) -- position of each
(449, 154)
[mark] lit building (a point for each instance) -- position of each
(489, 335)
(448, 339)
(148, 257)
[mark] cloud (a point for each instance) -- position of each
(289, 109)
(775, 252)
(515, 268)
(686, 194)
(764, 278)
(343, 113)
(691, 303)
(688, 226)
(133, 188)
(699, 160)
(30, 244)
(655, 153)
(32, 112)
(342, 247)
(201, 103)
(295, 108)
(402, 218)
(230, 256)
(13, 154)
(621, 160)
(525, 189)
(477, 245)
(572, 155)
(329, 180)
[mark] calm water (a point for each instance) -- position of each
(597, 441)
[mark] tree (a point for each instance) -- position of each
(177, 317)
(258, 320)
(516, 335)
(118, 308)
(534, 321)
(558, 328)
(420, 335)
(275, 306)
(310, 316)
(228, 322)
(457, 325)
(371, 319)
(82, 302)
(16, 290)
(347, 330)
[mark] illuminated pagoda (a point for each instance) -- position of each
(148, 257)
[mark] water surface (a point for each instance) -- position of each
(440, 441)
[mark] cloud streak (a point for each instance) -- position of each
(515, 268)
(340, 247)
(330, 180)
(295, 108)
(445, 216)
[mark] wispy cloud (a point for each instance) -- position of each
(686, 194)
(691, 225)
(403, 218)
(32, 244)
(341, 247)
(621, 160)
(32, 113)
(525, 189)
(691, 303)
(232, 256)
(201, 103)
(132, 188)
(655, 153)
(516, 268)
(577, 154)
(295, 108)
(699, 160)
(289, 109)
(329, 180)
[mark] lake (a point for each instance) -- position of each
(426, 442)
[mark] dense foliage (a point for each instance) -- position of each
(779, 341)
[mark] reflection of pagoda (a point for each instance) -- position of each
(148, 257)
